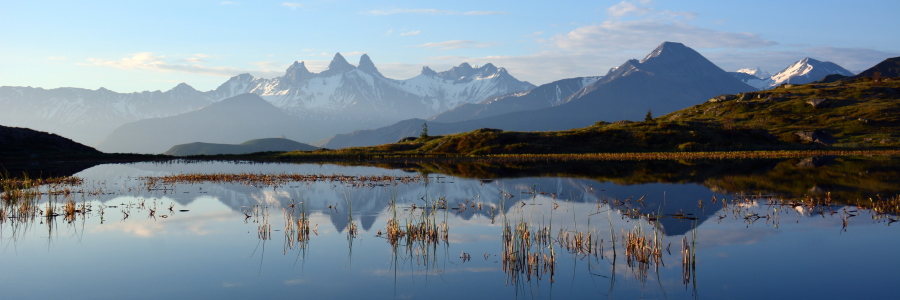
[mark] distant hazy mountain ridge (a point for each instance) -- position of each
(342, 98)
(257, 145)
(801, 72)
(230, 121)
(671, 77)
(89, 115)
(547, 95)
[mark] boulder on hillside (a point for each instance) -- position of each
(816, 136)
(722, 98)
(819, 102)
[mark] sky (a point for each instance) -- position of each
(133, 46)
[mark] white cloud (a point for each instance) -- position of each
(414, 32)
(617, 35)
(293, 4)
(431, 11)
(389, 32)
(159, 63)
(644, 8)
(625, 8)
(456, 44)
(484, 13)
(57, 58)
(228, 3)
(590, 50)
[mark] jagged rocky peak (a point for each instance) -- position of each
(629, 65)
(463, 67)
(428, 71)
(366, 65)
(757, 72)
(242, 77)
(458, 72)
(297, 72)
(466, 72)
(338, 65)
(297, 68)
(183, 87)
(488, 70)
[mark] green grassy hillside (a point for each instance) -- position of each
(858, 113)
(853, 114)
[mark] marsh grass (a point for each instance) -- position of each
(274, 180)
(641, 251)
(419, 228)
(296, 229)
(527, 252)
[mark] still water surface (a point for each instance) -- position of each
(236, 241)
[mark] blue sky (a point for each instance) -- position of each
(129, 46)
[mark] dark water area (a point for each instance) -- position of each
(748, 229)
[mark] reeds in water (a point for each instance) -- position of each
(296, 231)
(527, 253)
(422, 228)
(642, 251)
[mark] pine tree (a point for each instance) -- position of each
(649, 117)
(424, 134)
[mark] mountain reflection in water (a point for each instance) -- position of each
(715, 229)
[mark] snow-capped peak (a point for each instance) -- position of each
(759, 73)
(808, 70)
(428, 71)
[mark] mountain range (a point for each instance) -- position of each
(355, 97)
(347, 105)
(673, 76)
(803, 71)
(340, 99)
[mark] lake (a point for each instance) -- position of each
(815, 228)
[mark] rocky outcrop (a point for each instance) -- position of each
(819, 102)
(816, 136)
